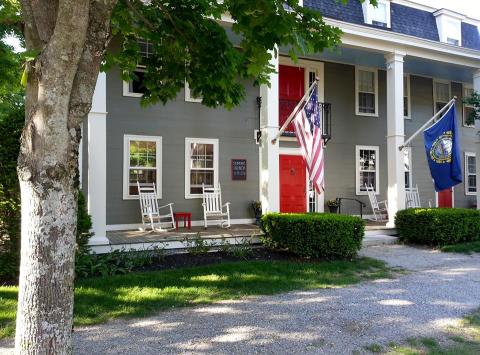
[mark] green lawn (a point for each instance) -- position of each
(140, 294)
(463, 340)
(466, 248)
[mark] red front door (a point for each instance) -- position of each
(291, 90)
(293, 184)
(445, 198)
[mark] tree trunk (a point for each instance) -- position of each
(71, 36)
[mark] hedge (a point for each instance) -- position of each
(314, 234)
(438, 226)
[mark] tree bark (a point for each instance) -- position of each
(70, 36)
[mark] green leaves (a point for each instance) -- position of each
(195, 41)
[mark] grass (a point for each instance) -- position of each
(141, 294)
(464, 339)
(466, 248)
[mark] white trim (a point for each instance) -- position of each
(368, 10)
(408, 96)
(188, 95)
(200, 223)
(361, 36)
(357, 168)
(126, 86)
(357, 91)
(466, 155)
(464, 89)
(189, 141)
(127, 138)
(440, 81)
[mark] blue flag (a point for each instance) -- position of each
(443, 152)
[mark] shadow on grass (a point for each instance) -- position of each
(140, 294)
(465, 248)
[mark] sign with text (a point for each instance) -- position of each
(239, 169)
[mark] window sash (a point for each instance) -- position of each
(470, 174)
(201, 165)
(442, 92)
(367, 168)
(366, 92)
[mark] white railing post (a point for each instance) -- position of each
(395, 135)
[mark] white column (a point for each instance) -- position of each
(97, 160)
(476, 87)
(269, 158)
(395, 135)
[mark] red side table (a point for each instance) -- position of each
(187, 219)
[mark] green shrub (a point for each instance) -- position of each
(314, 235)
(438, 226)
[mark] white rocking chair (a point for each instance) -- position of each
(412, 197)
(379, 208)
(151, 211)
(213, 210)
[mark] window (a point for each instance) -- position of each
(468, 110)
(407, 163)
(470, 174)
(142, 162)
(189, 96)
(366, 168)
(136, 88)
(378, 16)
(406, 96)
(366, 92)
(449, 25)
(201, 165)
(441, 94)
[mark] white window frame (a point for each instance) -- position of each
(469, 154)
(464, 116)
(410, 171)
(435, 92)
(408, 96)
(357, 91)
(188, 95)
(358, 148)
(188, 142)
(368, 11)
(126, 163)
(126, 85)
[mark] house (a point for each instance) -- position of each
(397, 66)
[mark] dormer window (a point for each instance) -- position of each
(449, 26)
(377, 16)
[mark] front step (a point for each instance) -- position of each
(379, 230)
(379, 239)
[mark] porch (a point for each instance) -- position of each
(175, 240)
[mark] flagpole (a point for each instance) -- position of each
(295, 110)
(447, 106)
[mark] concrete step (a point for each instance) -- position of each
(379, 239)
(372, 231)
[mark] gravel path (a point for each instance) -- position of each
(440, 289)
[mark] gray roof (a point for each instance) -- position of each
(404, 19)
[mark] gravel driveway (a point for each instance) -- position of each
(440, 289)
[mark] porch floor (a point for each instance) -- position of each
(137, 236)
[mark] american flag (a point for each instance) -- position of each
(309, 135)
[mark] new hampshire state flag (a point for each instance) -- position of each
(443, 152)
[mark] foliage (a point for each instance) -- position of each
(242, 248)
(466, 248)
(141, 294)
(257, 207)
(473, 101)
(115, 262)
(332, 203)
(438, 226)
(196, 245)
(189, 43)
(314, 235)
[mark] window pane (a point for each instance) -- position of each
(405, 106)
(142, 176)
(472, 183)
(143, 154)
(471, 165)
(379, 13)
(137, 84)
(367, 160)
(469, 116)
(367, 178)
(366, 81)
(442, 91)
(201, 156)
(407, 180)
(366, 102)
(200, 177)
(468, 92)
(439, 106)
